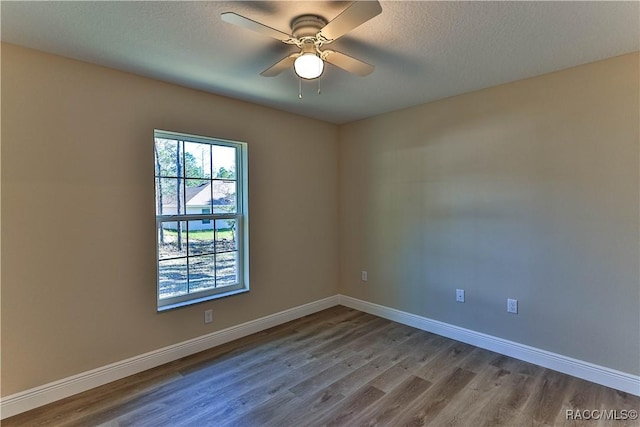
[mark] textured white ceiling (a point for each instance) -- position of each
(422, 51)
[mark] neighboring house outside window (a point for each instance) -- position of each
(201, 218)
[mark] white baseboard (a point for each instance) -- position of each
(42, 395)
(567, 365)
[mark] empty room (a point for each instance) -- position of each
(265, 213)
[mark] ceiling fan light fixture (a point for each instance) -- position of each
(308, 66)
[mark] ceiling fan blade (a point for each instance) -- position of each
(241, 21)
(280, 66)
(356, 14)
(347, 63)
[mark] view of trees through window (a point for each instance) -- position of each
(197, 216)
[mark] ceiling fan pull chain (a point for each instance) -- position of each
(318, 86)
(299, 88)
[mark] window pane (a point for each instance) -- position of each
(168, 156)
(169, 196)
(197, 195)
(224, 162)
(159, 197)
(226, 269)
(172, 239)
(224, 196)
(226, 236)
(197, 159)
(200, 238)
(166, 153)
(172, 278)
(201, 273)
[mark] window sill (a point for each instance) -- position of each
(203, 299)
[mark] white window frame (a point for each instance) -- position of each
(241, 217)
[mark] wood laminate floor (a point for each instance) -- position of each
(339, 367)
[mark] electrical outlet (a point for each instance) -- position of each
(208, 316)
(364, 276)
(460, 295)
(512, 306)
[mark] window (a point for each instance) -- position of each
(206, 211)
(201, 218)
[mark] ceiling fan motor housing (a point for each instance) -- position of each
(307, 26)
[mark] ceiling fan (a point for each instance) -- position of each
(310, 33)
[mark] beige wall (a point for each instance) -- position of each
(78, 276)
(527, 190)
